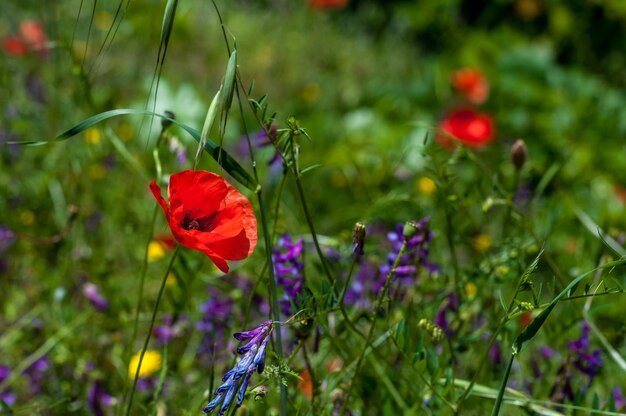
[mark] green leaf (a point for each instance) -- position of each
(229, 80)
(229, 164)
(532, 329)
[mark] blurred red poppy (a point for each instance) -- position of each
(468, 126)
(31, 38)
(207, 214)
(14, 46)
(471, 84)
(328, 4)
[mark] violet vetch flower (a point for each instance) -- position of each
(7, 396)
(216, 312)
(36, 371)
(93, 295)
(7, 237)
(237, 379)
(619, 399)
(98, 399)
(586, 361)
(582, 358)
(288, 268)
(451, 304)
(260, 140)
(169, 330)
(417, 250)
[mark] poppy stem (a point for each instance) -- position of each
(152, 321)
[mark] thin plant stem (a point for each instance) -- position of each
(307, 215)
(483, 359)
(142, 280)
(379, 302)
(498, 403)
(149, 335)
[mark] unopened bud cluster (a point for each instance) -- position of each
(436, 333)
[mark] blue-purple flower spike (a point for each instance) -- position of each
(236, 380)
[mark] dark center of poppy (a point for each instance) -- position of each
(202, 224)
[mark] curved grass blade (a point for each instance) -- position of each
(531, 330)
(227, 162)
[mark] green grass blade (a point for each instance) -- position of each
(532, 329)
(227, 162)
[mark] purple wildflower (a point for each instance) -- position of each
(92, 293)
(169, 330)
(7, 237)
(216, 313)
(619, 399)
(450, 304)
(178, 149)
(586, 361)
(581, 358)
(36, 371)
(262, 139)
(288, 268)
(237, 379)
(415, 257)
(7, 396)
(98, 399)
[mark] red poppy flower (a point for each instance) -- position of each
(471, 84)
(14, 46)
(207, 214)
(327, 4)
(31, 38)
(469, 127)
(32, 32)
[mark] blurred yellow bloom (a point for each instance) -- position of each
(471, 289)
(150, 364)
(426, 185)
(482, 243)
(155, 250)
(93, 135)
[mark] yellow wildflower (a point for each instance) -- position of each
(482, 243)
(426, 185)
(150, 364)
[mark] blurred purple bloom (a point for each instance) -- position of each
(261, 140)
(36, 371)
(586, 361)
(7, 237)
(169, 330)
(288, 267)
(237, 379)
(92, 293)
(581, 358)
(36, 89)
(619, 399)
(449, 305)
(216, 313)
(362, 285)
(6, 396)
(98, 399)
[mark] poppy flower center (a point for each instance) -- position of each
(202, 224)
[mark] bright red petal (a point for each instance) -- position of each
(197, 191)
(156, 191)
